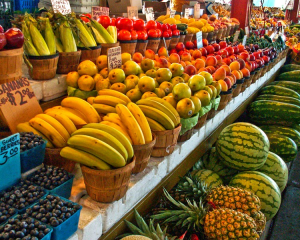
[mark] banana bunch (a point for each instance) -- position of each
(99, 146)
(160, 114)
(107, 101)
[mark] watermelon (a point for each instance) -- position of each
(270, 112)
(211, 161)
(262, 186)
(293, 76)
(281, 91)
(281, 130)
(243, 146)
(210, 178)
(290, 85)
(276, 169)
(283, 99)
(289, 68)
(283, 146)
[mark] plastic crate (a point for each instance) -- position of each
(26, 5)
(9, 218)
(63, 190)
(32, 158)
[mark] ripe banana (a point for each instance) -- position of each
(155, 126)
(142, 121)
(64, 120)
(97, 148)
(131, 124)
(50, 132)
(84, 158)
(160, 107)
(74, 118)
(84, 107)
(105, 137)
(109, 100)
(114, 93)
(25, 127)
(90, 100)
(158, 116)
(56, 124)
(116, 126)
(125, 140)
(114, 118)
(74, 111)
(104, 109)
(169, 106)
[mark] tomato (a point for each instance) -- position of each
(159, 33)
(113, 22)
(118, 22)
(173, 27)
(176, 32)
(126, 24)
(142, 35)
(105, 21)
(151, 25)
(139, 25)
(85, 17)
(159, 25)
(153, 33)
(124, 35)
(164, 27)
(134, 35)
(165, 34)
(170, 32)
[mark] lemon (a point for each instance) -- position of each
(86, 83)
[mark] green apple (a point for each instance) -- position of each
(204, 97)
(197, 83)
(146, 84)
(116, 75)
(176, 69)
(131, 68)
(181, 90)
(163, 74)
(208, 77)
(147, 64)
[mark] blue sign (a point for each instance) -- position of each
(10, 166)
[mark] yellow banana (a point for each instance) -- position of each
(105, 137)
(117, 127)
(74, 118)
(90, 100)
(97, 148)
(160, 107)
(74, 111)
(25, 127)
(82, 106)
(114, 117)
(64, 120)
(114, 93)
(104, 109)
(109, 100)
(155, 126)
(158, 116)
(142, 121)
(125, 140)
(50, 132)
(84, 158)
(131, 124)
(169, 106)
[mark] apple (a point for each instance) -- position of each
(229, 50)
(14, 38)
(179, 47)
(1, 29)
(258, 62)
(2, 40)
(223, 44)
(216, 47)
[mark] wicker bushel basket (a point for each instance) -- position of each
(186, 136)
(245, 84)
(201, 121)
(141, 46)
(90, 54)
(106, 46)
(68, 62)
(165, 142)
(143, 154)
(153, 44)
(128, 46)
(225, 97)
(107, 185)
(188, 37)
(181, 39)
(174, 41)
(162, 43)
(238, 88)
(52, 157)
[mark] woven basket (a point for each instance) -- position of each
(225, 97)
(211, 114)
(245, 84)
(153, 44)
(181, 39)
(188, 37)
(162, 43)
(141, 46)
(238, 88)
(186, 136)
(128, 46)
(174, 41)
(106, 46)
(201, 121)
(68, 62)
(11, 65)
(52, 157)
(90, 54)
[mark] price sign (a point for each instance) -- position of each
(61, 6)
(273, 35)
(172, 14)
(197, 11)
(199, 39)
(244, 40)
(149, 14)
(10, 165)
(114, 58)
(18, 103)
(187, 13)
(217, 15)
(247, 31)
(132, 12)
(168, 11)
(236, 36)
(99, 11)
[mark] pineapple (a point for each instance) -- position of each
(217, 224)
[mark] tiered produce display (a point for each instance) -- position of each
(114, 120)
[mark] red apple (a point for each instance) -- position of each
(2, 40)
(223, 44)
(258, 62)
(256, 55)
(14, 37)
(210, 49)
(216, 47)
(179, 46)
(236, 50)
(203, 51)
(1, 29)
(229, 50)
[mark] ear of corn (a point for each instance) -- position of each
(67, 38)
(50, 37)
(59, 46)
(30, 49)
(38, 41)
(26, 32)
(98, 36)
(89, 30)
(112, 30)
(84, 35)
(103, 32)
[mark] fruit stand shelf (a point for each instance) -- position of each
(105, 221)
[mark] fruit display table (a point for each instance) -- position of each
(105, 221)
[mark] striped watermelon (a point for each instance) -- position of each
(276, 169)
(210, 178)
(262, 186)
(211, 161)
(243, 146)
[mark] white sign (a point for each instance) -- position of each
(217, 16)
(172, 14)
(149, 14)
(247, 31)
(132, 12)
(273, 35)
(114, 58)
(199, 39)
(244, 40)
(168, 11)
(187, 13)
(197, 11)
(236, 36)
(61, 6)
(99, 11)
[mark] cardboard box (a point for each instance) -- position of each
(120, 6)
(157, 6)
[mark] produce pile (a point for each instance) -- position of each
(12, 38)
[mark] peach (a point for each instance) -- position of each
(163, 52)
(202, 70)
(227, 69)
(211, 61)
(149, 54)
(190, 70)
(186, 56)
(183, 63)
(188, 62)
(233, 58)
(242, 63)
(231, 79)
(234, 66)
(224, 85)
(162, 63)
(199, 63)
(220, 74)
(246, 72)
(197, 54)
(137, 57)
(219, 59)
(174, 58)
(212, 69)
(236, 74)
(227, 61)
(248, 66)
(228, 82)
(232, 76)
